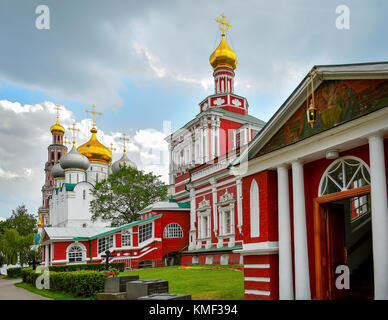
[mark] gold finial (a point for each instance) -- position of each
(111, 147)
(94, 114)
(74, 132)
(124, 139)
(66, 141)
(223, 24)
(57, 107)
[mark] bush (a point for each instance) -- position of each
(92, 266)
(29, 275)
(79, 283)
(14, 272)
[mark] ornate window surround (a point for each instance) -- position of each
(226, 205)
(204, 212)
(69, 250)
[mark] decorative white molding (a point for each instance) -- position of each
(226, 197)
(219, 101)
(261, 248)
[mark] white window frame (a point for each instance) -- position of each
(173, 230)
(106, 247)
(125, 234)
(151, 235)
(82, 252)
(346, 184)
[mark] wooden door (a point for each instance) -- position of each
(336, 250)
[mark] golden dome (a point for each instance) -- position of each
(57, 128)
(223, 56)
(94, 150)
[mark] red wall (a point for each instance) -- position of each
(267, 182)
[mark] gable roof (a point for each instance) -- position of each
(113, 230)
(370, 70)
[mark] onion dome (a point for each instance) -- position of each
(57, 171)
(74, 160)
(40, 223)
(95, 151)
(223, 56)
(124, 161)
(57, 128)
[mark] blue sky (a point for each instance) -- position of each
(142, 63)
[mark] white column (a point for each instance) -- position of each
(286, 291)
(379, 216)
(212, 139)
(206, 134)
(302, 278)
(46, 255)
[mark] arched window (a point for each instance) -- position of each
(76, 253)
(344, 174)
(173, 230)
(254, 209)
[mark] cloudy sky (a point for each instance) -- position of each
(145, 65)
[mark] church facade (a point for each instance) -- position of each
(300, 201)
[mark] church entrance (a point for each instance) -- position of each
(343, 232)
(349, 248)
(343, 244)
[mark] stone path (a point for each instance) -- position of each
(8, 291)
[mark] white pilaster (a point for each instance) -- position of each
(379, 215)
(214, 200)
(239, 205)
(286, 291)
(192, 220)
(302, 278)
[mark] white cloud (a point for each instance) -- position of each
(25, 136)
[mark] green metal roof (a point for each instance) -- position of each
(69, 186)
(214, 249)
(36, 238)
(117, 229)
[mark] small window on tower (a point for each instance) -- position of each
(84, 194)
(238, 137)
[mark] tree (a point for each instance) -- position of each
(123, 194)
(22, 221)
(14, 247)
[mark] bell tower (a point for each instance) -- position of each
(55, 150)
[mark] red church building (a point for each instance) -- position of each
(155, 240)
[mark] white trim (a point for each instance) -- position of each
(260, 248)
(258, 292)
(256, 266)
(257, 279)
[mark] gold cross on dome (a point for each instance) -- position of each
(57, 107)
(74, 129)
(66, 142)
(94, 112)
(223, 24)
(111, 147)
(124, 139)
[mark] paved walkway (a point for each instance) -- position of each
(8, 291)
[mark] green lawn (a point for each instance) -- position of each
(48, 293)
(202, 284)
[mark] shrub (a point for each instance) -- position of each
(14, 272)
(79, 283)
(92, 266)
